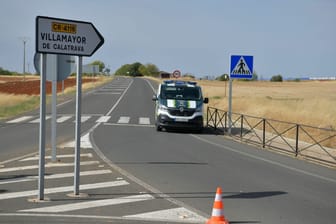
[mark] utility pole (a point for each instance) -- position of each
(24, 40)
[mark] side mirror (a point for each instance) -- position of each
(206, 100)
(154, 98)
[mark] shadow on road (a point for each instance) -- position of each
(226, 195)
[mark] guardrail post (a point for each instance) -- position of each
(297, 140)
(216, 119)
(241, 125)
(225, 127)
(207, 124)
(264, 133)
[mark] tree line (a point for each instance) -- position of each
(138, 69)
(149, 69)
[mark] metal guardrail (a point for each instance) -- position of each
(314, 143)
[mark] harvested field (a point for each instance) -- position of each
(19, 94)
(31, 85)
(307, 102)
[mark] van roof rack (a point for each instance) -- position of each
(180, 82)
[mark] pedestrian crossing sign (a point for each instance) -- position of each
(241, 67)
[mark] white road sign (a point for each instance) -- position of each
(62, 36)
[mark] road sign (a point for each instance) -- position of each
(177, 74)
(241, 67)
(62, 36)
(59, 66)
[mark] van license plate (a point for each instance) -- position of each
(181, 119)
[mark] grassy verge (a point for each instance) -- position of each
(12, 105)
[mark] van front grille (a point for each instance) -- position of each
(184, 113)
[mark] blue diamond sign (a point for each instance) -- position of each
(241, 67)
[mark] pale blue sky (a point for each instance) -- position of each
(295, 38)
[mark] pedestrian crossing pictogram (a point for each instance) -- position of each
(241, 66)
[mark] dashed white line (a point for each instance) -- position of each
(63, 119)
(89, 155)
(11, 169)
(84, 118)
(103, 119)
(20, 119)
(56, 176)
(63, 189)
(91, 204)
(38, 119)
(173, 214)
(144, 120)
(123, 120)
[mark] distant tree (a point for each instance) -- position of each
(224, 77)
(107, 71)
(255, 76)
(134, 69)
(149, 70)
(123, 70)
(188, 75)
(5, 72)
(276, 78)
(100, 64)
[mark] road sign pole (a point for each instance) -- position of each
(53, 119)
(230, 107)
(42, 127)
(78, 124)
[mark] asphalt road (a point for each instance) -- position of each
(185, 168)
(259, 186)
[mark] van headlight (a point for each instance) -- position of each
(199, 109)
(163, 108)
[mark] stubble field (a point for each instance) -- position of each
(19, 94)
(308, 102)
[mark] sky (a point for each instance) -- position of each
(294, 38)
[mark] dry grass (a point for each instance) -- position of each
(12, 105)
(11, 99)
(310, 103)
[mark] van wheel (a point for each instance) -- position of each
(158, 127)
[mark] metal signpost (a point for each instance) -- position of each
(241, 67)
(59, 67)
(69, 37)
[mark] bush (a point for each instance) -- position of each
(276, 78)
(5, 72)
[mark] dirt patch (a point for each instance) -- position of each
(31, 85)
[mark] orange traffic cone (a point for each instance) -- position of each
(217, 216)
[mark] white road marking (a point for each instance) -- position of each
(20, 119)
(63, 118)
(89, 155)
(91, 204)
(173, 214)
(63, 189)
(103, 119)
(92, 218)
(123, 120)
(38, 119)
(130, 125)
(84, 118)
(56, 176)
(115, 89)
(265, 160)
(106, 93)
(144, 120)
(49, 165)
(84, 141)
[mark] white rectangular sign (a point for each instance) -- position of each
(62, 36)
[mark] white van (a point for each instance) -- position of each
(179, 104)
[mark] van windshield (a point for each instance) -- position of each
(180, 92)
